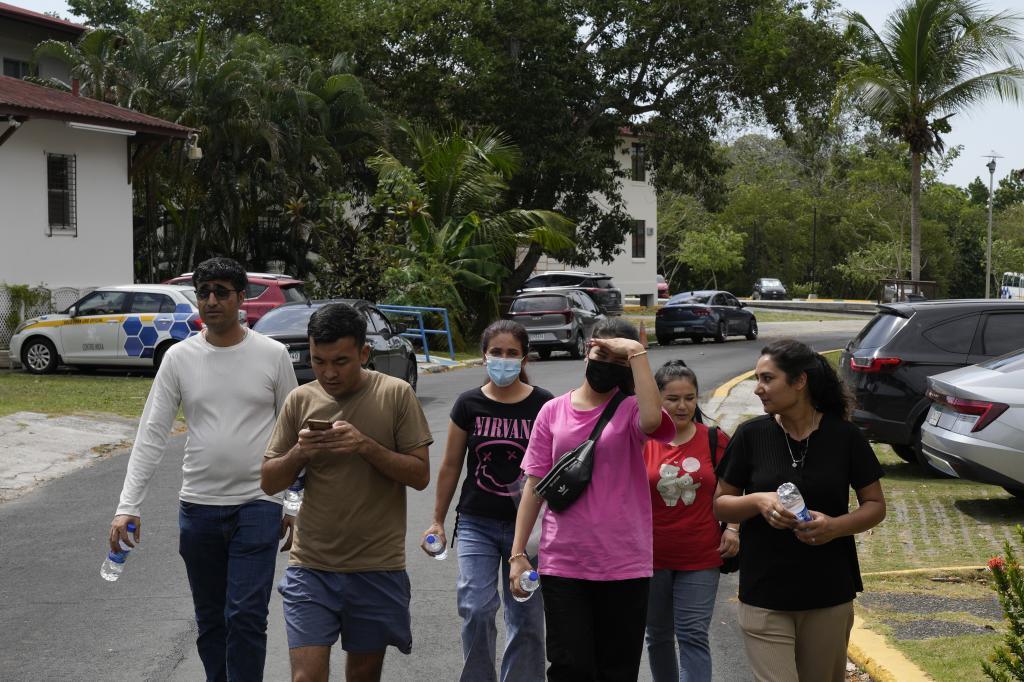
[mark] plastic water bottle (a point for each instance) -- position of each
(113, 565)
(529, 581)
(793, 501)
(436, 547)
(293, 496)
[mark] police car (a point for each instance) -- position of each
(119, 326)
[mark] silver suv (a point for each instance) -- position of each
(557, 320)
(597, 285)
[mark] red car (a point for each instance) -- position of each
(264, 292)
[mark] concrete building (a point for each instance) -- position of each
(21, 30)
(66, 167)
(634, 269)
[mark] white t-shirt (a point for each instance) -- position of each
(231, 397)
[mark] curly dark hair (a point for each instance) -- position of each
(827, 391)
(220, 268)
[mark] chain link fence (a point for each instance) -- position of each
(13, 312)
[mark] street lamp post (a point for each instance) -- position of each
(991, 165)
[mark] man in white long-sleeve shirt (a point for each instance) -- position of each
(231, 383)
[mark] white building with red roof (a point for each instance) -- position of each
(66, 168)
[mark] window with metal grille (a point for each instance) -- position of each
(637, 152)
(15, 68)
(61, 190)
(639, 239)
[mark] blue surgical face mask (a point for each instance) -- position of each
(504, 371)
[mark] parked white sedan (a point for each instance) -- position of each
(975, 426)
(131, 325)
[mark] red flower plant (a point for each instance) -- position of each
(996, 563)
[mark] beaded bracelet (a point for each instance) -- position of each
(516, 556)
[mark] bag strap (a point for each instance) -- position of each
(606, 416)
(713, 442)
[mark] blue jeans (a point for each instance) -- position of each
(679, 609)
(230, 555)
(484, 546)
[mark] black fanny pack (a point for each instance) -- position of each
(571, 474)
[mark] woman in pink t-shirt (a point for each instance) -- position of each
(596, 556)
(689, 544)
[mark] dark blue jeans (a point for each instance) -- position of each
(230, 555)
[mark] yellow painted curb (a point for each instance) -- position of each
(723, 390)
(884, 664)
(913, 571)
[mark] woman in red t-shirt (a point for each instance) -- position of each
(689, 545)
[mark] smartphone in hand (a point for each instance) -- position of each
(318, 425)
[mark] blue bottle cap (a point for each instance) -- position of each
(431, 539)
(533, 575)
(131, 527)
(117, 557)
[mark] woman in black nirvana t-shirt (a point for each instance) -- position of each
(798, 580)
(489, 431)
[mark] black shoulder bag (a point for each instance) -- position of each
(732, 564)
(571, 474)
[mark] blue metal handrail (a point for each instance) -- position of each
(421, 333)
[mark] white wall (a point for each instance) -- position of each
(634, 276)
(102, 252)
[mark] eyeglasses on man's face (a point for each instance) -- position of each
(220, 293)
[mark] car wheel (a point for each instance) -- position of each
(664, 340)
(158, 356)
(752, 329)
(906, 453)
(544, 353)
(39, 356)
(579, 349)
(720, 334)
(412, 374)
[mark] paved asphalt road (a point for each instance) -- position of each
(60, 621)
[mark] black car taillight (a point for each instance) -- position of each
(985, 411)
(873, 365)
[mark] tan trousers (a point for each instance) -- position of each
(797, 646)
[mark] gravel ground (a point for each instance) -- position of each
(925, 629)
(907, 602)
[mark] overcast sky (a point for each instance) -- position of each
(989, 127)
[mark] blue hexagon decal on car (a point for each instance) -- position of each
(132, 326)
(147, 353)
(163, 323)
(148, 336)
(180, 330)
(183, 308)
(133, 347)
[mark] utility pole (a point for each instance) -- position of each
(814, 252)
(991, 165)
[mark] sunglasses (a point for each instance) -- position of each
(220, 293)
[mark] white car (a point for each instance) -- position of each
(119, 326)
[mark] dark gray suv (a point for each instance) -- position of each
(597, 285)
(888, 363)
(561, 320)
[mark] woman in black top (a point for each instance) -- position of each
(798, 580)
(489, 431)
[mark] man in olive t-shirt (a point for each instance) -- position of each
(346, 575)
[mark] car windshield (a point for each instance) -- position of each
(290, 319)
(1011, 362)
(293, 294)
(771, 283)
(529, 304)
(878, 331)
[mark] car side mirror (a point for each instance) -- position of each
(73, 311)
(385, 334)
(741, 304)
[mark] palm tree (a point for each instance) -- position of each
(451, 194)
(930, 63)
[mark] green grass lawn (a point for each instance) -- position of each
(61, 394)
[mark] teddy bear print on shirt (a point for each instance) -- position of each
(674, 487)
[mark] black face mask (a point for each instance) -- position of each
(604, 376)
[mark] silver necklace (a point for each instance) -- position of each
(807, 446)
